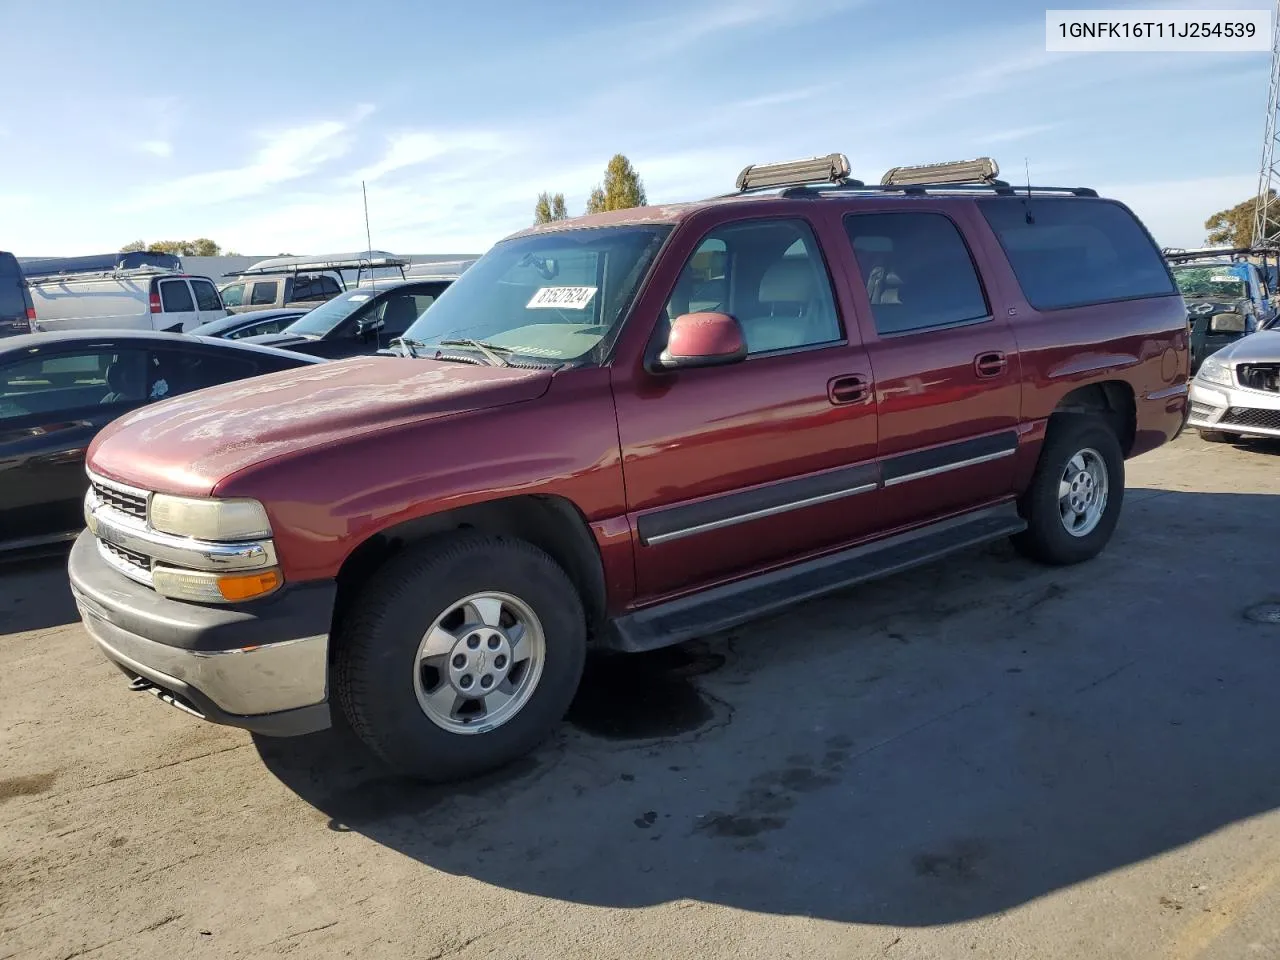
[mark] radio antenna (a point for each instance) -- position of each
(368, 237)
(1027, 202)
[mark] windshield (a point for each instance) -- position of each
(322, 319)
(1210, 281)
(555, 296)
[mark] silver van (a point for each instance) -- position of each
(141, 298)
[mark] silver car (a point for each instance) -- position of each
(1236, 391)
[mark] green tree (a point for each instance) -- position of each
(622, 188)
(203, 247)
(1234, 227)
(549, 207)
(136, 247)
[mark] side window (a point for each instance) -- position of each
(264, 293)
(398, 310)
(325, 287)
(233, 296)
(422, 301)
(175, 296)
(1069, 252)
(770, 275)
(69, 381)
(173, 372)
(917, 271)
(206, 295)
(259, 329)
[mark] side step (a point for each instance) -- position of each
(735, 603)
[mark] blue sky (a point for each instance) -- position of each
(255, 124)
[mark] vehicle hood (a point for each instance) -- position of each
(1260, 347)
(188, 444)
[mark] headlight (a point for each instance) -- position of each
(209, 519)
(200, 587)
(1214, 371)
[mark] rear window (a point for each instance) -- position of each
(175, 296)
(1076, 252)
(206, 295)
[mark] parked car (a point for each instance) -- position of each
(16, 312)
(361, 321)
(58, 390)
(626, 430)
(1236, 392)
(140, 298)
(237, 326)
(305, 281)
(1226, 299)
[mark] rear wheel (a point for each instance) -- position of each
(461, 656)
(1217, 436)
(1073, 503)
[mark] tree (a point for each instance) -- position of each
(550, 207)
(203, 247)
(1234, 227)
(622, 188)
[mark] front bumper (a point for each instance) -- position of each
(262, 666)
(1252, 413)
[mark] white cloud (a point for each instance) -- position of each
(416, 147)
(157, 148)
(287, 155)
(1017, 133)
(703, 22)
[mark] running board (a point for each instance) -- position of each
(735, 603)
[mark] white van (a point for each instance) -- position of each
(144, 298)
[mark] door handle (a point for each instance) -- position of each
(850, 389)
(990, 364)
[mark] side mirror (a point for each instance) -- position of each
(703, 340)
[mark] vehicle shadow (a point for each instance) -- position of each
(929, 749)
(34, 591)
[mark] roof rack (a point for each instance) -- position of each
(320, 263)
(34, 267)
(819, 176)
(1178, 254)
(124, 273)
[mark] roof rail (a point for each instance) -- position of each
(998, 187)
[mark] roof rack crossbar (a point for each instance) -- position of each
(124, 273)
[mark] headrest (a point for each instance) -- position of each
(787, 281)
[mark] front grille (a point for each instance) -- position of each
(1246, 417)
(1259, 376)
(128, 556)
(1202, 411)
(133, 504)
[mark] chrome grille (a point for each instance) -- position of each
(1247, 417)
(128, 556)
(132, 504)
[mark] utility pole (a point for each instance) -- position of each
(1266, 221)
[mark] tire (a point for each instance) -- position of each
(1047, 538)
(1217, 436)
(390, 697)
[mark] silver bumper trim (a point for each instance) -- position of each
(244, 682)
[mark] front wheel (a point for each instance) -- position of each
(460, 657)
(1073, 503)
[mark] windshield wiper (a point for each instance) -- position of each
(409, 344)
(491, 351)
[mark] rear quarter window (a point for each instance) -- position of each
(1069, 252)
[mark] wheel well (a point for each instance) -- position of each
(1111, 399)
(552, 524)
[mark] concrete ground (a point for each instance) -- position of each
(979, 759)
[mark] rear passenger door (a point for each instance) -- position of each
(944, 358)
(178, 306)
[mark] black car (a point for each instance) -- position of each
(16, 312)
(361, 321)
(57, 390)
(255, 323)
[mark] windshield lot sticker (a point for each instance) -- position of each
(358, 298)
(561, 298)
(1224, 278)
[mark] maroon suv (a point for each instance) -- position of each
(626, 430)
